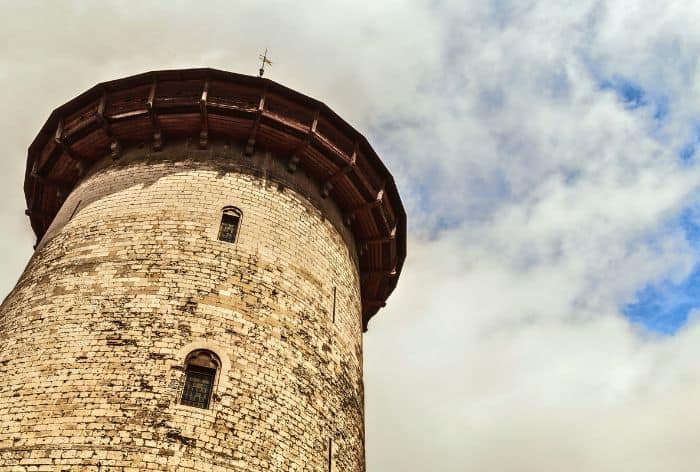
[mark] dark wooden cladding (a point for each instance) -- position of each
(259, 113)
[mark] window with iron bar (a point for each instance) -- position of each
(199, 382)
(230, 221)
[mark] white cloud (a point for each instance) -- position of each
(538, 202)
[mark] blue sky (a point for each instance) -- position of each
(664, 306)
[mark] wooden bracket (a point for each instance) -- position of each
(114, 145)
(375, 303)
(364, 244)
(46, 180)
(155, 124)
(204, 132)
(293, 163)
(62, 187)
(382, 240)
(65, 147)
(294, 159)
(328, 184)
(35, 213)
(383, 272)
(79, 163)
(366, 206)
(250, 145)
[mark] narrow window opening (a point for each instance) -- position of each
(198, 386)
(334, 301)
(230, 222)
(75, 210)
(200, 375)
(331, 456)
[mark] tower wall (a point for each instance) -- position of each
(130, 277)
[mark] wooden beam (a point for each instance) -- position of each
(328, 184)
(387, 239)
(374, 303)
(155, 124)
(383, 272)
(34, 159)
(65, 147)
(49, 181)
(363, 244)
(204, 130)
(366, 206)
(114, 145)
(35, 213)
(293, 162)
(58, 138)
(63, 188)
(250, 145)
(46, 166)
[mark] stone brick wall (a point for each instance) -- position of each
(130, 278)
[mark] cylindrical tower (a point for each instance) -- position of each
(210, 248)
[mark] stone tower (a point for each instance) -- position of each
(210, 249)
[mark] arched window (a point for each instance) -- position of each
(201, 367)
(230, 221)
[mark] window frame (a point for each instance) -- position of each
(193, 366)
(230, 211)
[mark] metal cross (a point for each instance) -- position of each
(265, 60)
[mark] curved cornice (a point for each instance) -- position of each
(149, 108)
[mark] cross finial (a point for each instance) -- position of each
(265, 60)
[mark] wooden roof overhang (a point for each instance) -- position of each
(204, 103)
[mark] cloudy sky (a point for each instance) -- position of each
(548, 315)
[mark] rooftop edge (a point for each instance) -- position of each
(257, 112)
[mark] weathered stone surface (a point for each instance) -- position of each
(130, 278)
